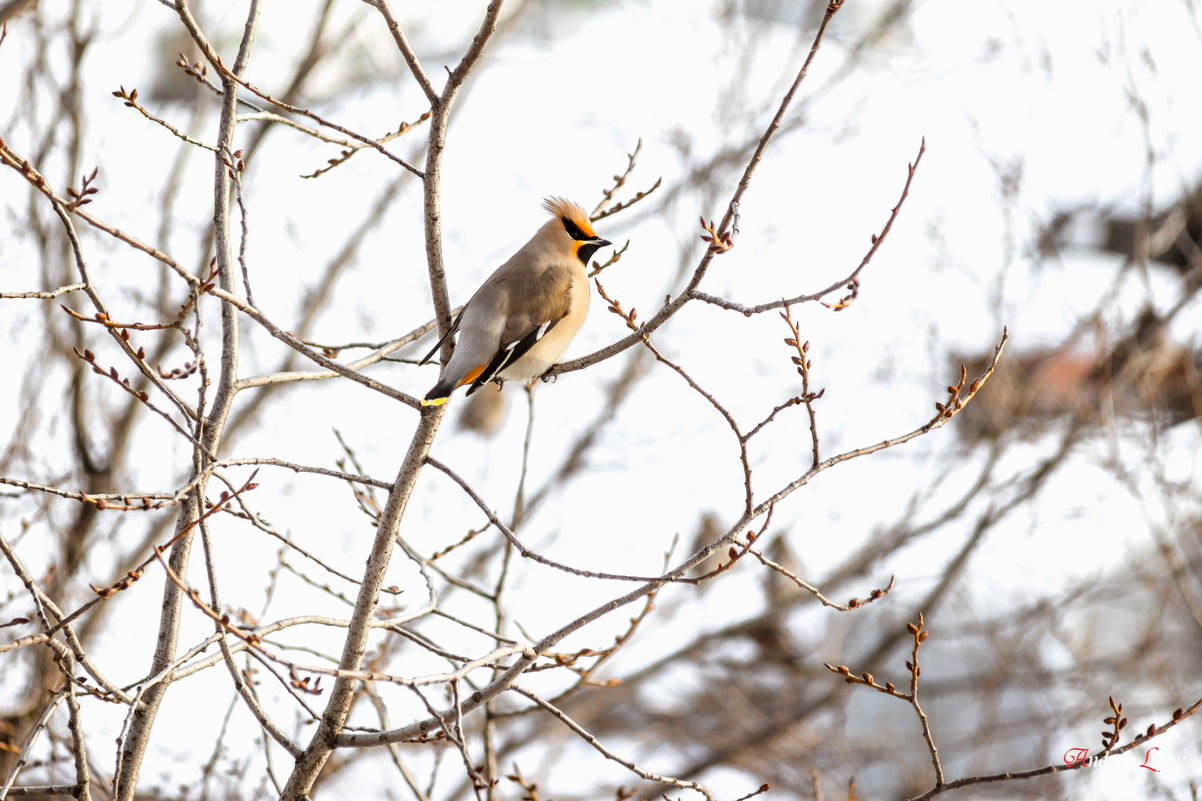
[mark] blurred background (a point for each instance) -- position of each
(1050, 534)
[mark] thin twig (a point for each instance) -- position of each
(30, 739)
(851, 280)
(689, 292)
(53, 293)
(517, 544)
(588, 737)
(1154, 731)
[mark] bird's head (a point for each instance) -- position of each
(571, 229)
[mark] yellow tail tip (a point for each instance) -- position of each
(433, 401)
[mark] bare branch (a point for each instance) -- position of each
(588, 737)
(688, 293)
(53, 293)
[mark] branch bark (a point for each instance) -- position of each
(338, 707)
(133, 749)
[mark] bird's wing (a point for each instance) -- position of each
(532, 303)
(511, 351)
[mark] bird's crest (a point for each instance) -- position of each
(569, 212)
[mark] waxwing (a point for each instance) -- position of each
(523, 316)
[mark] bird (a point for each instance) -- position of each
(522, 318)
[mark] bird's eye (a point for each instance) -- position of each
(573, 229)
